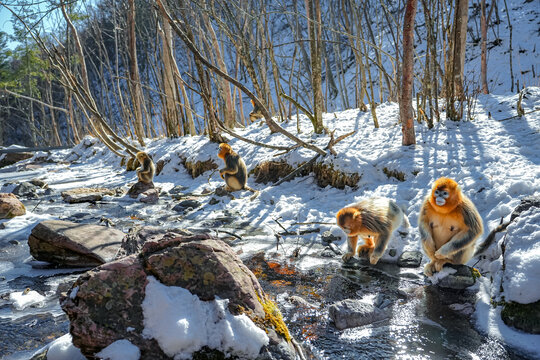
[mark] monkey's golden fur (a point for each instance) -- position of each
(374, 220)
(235, 172)
(255, 113)
(146, 171)
(449, 226)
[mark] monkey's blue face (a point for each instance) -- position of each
(441, 196)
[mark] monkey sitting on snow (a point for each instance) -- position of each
(374, 220)
(235, 172)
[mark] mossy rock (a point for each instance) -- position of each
(525, 317)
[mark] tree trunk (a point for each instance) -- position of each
(483, 57)
(405, 105)
(460, 38)
(169, 85)
(313, 9)
(135, 83)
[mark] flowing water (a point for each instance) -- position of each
(421, 324)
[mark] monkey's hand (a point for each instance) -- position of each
(347, 256)
(373, 259)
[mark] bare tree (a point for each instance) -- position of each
(405, 104)
(313, 10)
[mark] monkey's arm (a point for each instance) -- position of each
(466, 237)
(231, 166)
(425, 234)
(145, 167)
(352, 241)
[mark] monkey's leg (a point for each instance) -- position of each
(368, 246)
(429, 249)
(352, 240)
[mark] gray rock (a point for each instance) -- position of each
(352, 313)
(139, 188)
(12, 158)
(178, 189)
(213, 201)
(25, 189)
(461, 279)
(150, 196)
(392, 252)
(327, 252)
(186, 204)
(411, 259)
(76, 245)
(86, 195)
(328, 237)
(39, 183)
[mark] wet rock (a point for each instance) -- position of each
(327, 252)
(185, 205)
(220, 191)
(138, 236)
(328, 237)
(2, 226)
(525, 317)
(213, 201)
(105, 304)
(13, 242)
(352, 313)
(25, 189)
(150, 196)
(392, 252)
(465, 309)
(38, 182)
(139, 188)
(71, 244)
(411, 259)
(86, 194)
(12, 158)
(461, 279)
(10, 206)
(178, 189)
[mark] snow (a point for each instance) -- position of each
(521, 281)
(438, 276)
(183, 324)
(120, 350)
(23, 299)
(63, 349)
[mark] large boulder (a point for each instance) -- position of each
(86, 194)
(10, 206)
(207, 289)
(76, 245)
(12, 158)
(139, 188)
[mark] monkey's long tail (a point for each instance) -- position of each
(490, 238)
(255, 192)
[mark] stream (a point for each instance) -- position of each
(424, 322)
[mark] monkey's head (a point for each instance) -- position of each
(224, 150)
(349, 220)
(141, 156)
(445, 195)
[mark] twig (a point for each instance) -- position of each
(230, 233)
(304, 110)
(40, 201)
(515, 116)
(301, 232)
(313, 223)
(300, 168)
(281, 226)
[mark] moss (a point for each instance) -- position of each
(274, 318)
(475, 273)
(524, 317)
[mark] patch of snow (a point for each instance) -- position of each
(120, 350)
(438, 276)
(181, 324)
(521, 281)
(63, 349)
(22, 299)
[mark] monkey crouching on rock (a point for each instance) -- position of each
(235, 172)
(374, 220)
(146, 171)
(449, 226)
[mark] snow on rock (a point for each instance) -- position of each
(23, 299)
(63, 349)
(183, 324)
(521, 281)
(120, 350)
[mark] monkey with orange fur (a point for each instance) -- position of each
(255, 113)
(374, 220)
(235, 172)
(449, 226)
(147, 170)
